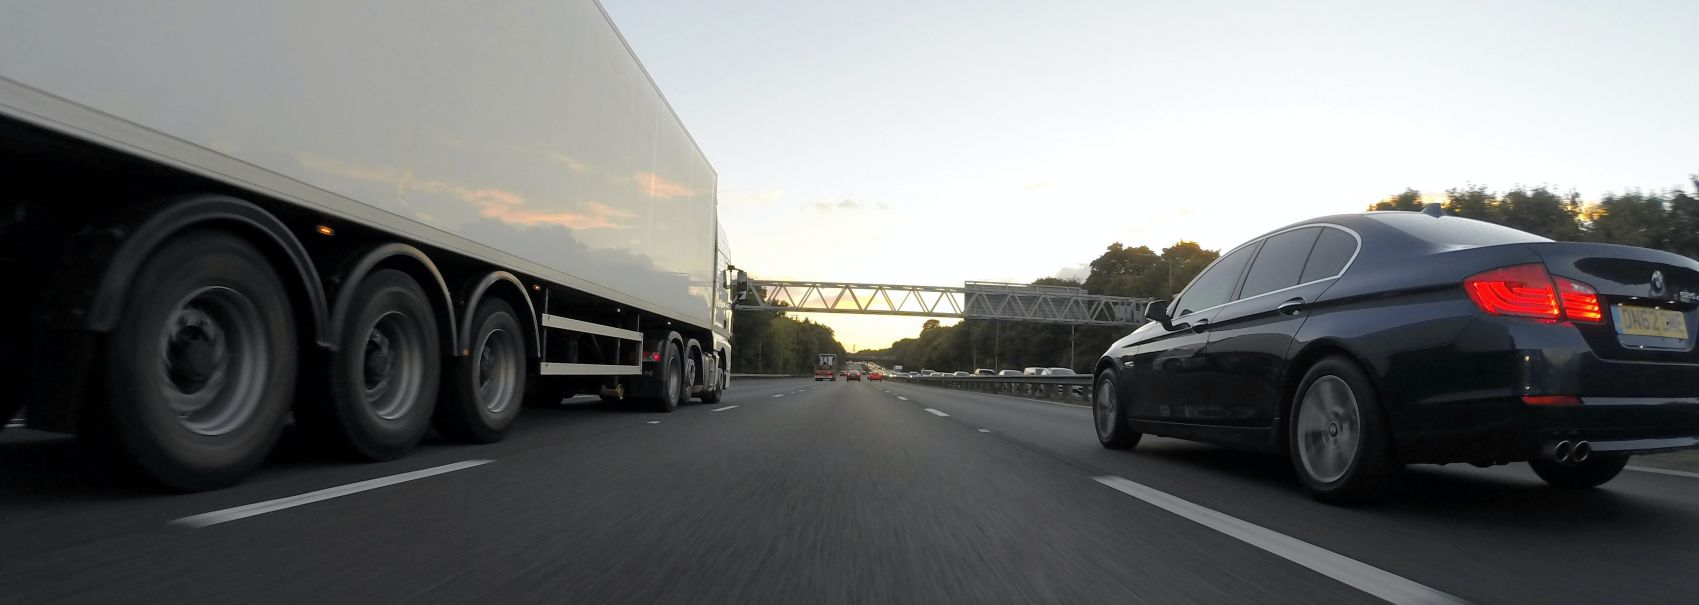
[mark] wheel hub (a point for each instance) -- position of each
(195, 351)
(378, 360)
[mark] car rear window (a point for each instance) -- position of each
(1453, 231)
(1333, 249)
(1280, 262)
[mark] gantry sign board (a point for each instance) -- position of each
(975, 300)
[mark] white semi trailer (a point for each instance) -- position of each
(377, 216)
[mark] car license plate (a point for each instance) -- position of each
(1646, 321)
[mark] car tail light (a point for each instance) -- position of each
(1529, 291)
(1521, 291)
(1551, 400)
(1580, 301)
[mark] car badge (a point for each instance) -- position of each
(1657, 283)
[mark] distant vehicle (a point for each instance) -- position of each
(823, 367)
(1356, 344)
(1059, 372)
(854, 375)
(875, 376)
(1036, 372)
(927, 373)
(962, 373)
(1009, 373)
(984, 372)
(896, 368)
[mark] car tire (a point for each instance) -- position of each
(1595, 471)
(1338, 438)
(200, 372)
(1109, 417)
(485, 389)
(384, 375)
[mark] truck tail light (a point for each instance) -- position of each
(652, 356)
(1520, 291)
(1529, 291)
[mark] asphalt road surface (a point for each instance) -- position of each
(792, 491)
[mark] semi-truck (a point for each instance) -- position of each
(367, 219)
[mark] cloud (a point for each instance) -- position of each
(1037, 186)
(597, 216)
(492, 202)
(1077, 272)
(847, 204)
(741, 198)
(657, 187)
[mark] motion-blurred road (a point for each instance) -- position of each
(792, 491)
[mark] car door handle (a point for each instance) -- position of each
(1291, 307)
(1200, 325)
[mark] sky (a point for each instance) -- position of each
(939, 142)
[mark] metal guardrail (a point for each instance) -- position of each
(1071, 389)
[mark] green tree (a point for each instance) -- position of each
(1633, 218)
(1681, 227)
(1541, 212)
(1473, 201)
(1410, 200)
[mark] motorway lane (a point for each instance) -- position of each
(834, 492)
(1494, 535)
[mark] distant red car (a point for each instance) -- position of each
(875, 376)
(853, 375)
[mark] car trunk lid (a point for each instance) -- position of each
(1649, 298)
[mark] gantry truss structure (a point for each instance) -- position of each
(974, 300)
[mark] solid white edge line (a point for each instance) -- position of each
(937, 413)
(1351, 572)
(1664, 471)
(722, 409)
(260, 508)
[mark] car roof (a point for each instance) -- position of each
(1406, 230)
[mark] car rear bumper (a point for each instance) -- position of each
(1464, 404)
(1510, 431)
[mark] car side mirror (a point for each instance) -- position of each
(1157, 311)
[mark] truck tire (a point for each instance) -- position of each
(383, 377)
(485, 389)
(200, 372)
(671, 379)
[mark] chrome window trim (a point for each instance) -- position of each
(1342, 270)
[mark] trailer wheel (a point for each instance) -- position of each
(486, 388)
(201, 369)
(384, 374)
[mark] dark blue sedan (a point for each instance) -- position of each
(1356, 344)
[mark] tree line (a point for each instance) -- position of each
(1665, 220)
(773, 343)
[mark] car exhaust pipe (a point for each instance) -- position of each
(1557, 450)
(1580, 452)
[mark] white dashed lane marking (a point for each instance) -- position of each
(1351, 572)
(722, 409)
(260, 508)
(937, 413)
